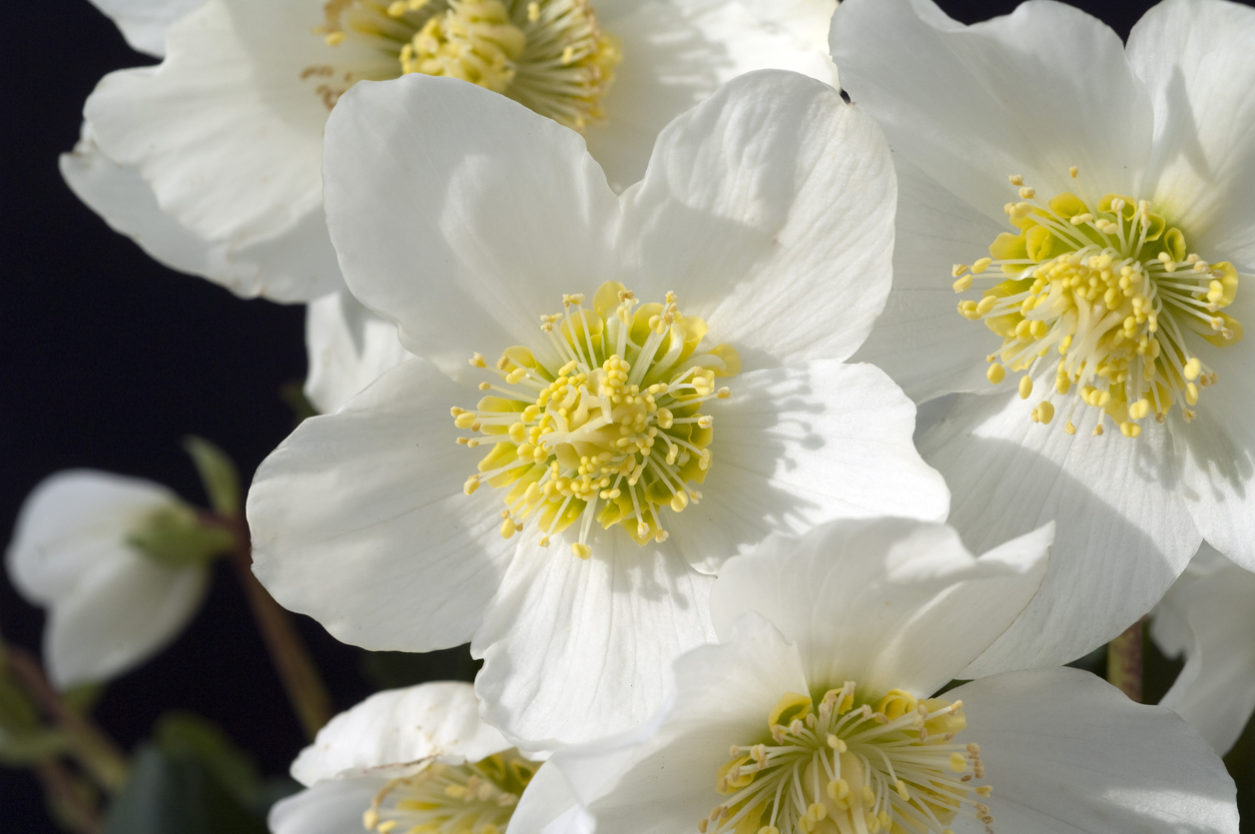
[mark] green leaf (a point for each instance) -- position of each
(217, 475)
(189, 735)
(175, 792)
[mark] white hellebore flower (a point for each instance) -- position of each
(817, 710)
(418, 759)
(1100, 204)
(144, 22)
(120, 563)
(1208, 616)
(348, 348)
(670, 387)
(211, 161)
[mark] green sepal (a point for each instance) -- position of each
(188, 734)
(176, 792)
(218, 475)
(175, 536)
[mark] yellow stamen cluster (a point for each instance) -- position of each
(611, 430)
(471, 798)
(549, 55)
(851, 765)
(1109, 293)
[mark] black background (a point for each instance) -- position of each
(107, 360)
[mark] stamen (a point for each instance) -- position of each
(1112, 290)
(613, 434)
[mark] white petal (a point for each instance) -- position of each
(359, 519)
(226, 131)
(677, 52)
(1210, 617)
(1219, 465)
(400, 727)
(887, 603)
(349, 348)
(334, 807)
(801, 445)
(462, 215)
(548, 806)
(972, 105)
(73, 521)
(119, 614)
(577, 649)
(289, 267)
(1194, 56)
(920, 339)
(723, 695)
(143, 22)
(769, 209)
(1066, 753)
(1123, 534)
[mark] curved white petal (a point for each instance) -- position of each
(74, 521)
(887, 603)
(1219, 463)
(1067, 753)
(800, 445)
(1123, 533)
(1209, 616)
(462, 215)
(578, 649)
(920, 339)
(1194, 57)
(334, 807)
(548, 806)
(359, 519)
(349, 347)
(972, 105)
(400, 727)
(769, 209)
(227, 130)
(120, 613)
(722, 696)
(143, 22)
(677, 52)
(289, 267)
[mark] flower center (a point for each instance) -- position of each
(441, 798)
(613, 434)
(1112, 295)
(549, 55)
(846, 767)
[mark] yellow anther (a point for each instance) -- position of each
(581, 550)
(1073, 172)
(1026, 387)
(963, 283)
(995, 373)
(981, 265)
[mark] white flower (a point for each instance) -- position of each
(211, 161)
(1100, 204)
(1208, 615)
(418, 759)
(143, 22)
(349, 347)
(79, 550)
(767, 210)
(815, 712)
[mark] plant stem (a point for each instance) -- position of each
(288, 653)
(1124, 661)
(94, 751)
(75, 809)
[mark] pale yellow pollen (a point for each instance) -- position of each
(842, 764)
(549, 55)
(1105, 301)
(470, 798)
(614, 432)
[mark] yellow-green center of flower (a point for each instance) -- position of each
(549, 55)
(612, 430)
(849, 765)
(472, 798)
(1112, 296)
